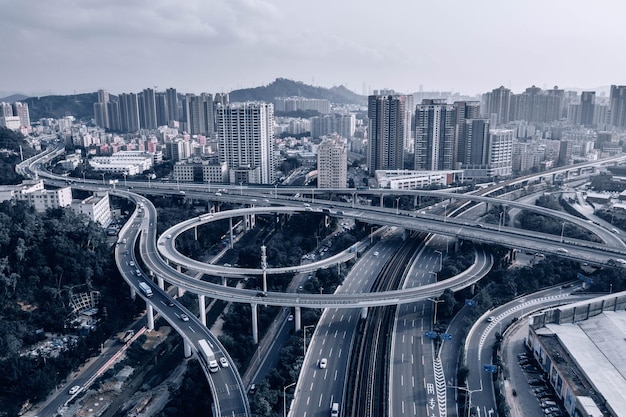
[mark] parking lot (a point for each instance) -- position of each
(527, 392)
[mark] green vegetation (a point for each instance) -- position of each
(552, 225)
(78, 105)
(282, 87)
(44, 259)
(11, 144)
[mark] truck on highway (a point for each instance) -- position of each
(209, 355)
(145, 288)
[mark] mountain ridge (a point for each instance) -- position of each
(81, 105)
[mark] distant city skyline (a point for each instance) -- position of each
(67, 47)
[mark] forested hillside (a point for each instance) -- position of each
(10, 143)
(44, 258)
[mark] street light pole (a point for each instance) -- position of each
(469, 394)
(304, 340)
(435, 315)
(285, 399)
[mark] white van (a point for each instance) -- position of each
(334, 410)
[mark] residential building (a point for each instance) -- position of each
(497, 105)
(42, 199)
(95, 207)
(246, 141)
(387, 132)
(332, 163)
(343, 125)
(293, 104)
(123, 162)
(587, 107)
(171, 98)
(148, 109)
(618, 106)
(435, 135)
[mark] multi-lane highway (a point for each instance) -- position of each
(232, 401)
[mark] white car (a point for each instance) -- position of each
(223, 362)
(323, 362)
(184, 317)
(375, 253)
(74, 389)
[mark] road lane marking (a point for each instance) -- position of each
(339, 356)
(320, 402)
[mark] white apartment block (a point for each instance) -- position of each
(11, 122)
(96, 208)
(201, 171)
(129, 162)
(332, 163)
(42, 199)
(245, 133)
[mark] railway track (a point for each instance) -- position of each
(369, 387)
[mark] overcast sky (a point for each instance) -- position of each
(66, 46)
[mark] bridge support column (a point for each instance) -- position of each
(133, 294)
(255, 324)
(161, 283)
(195, 233)
(230, 223)
(180, 290)
(298, 318)
(187, 349)
(225, 281)
(364, 313)
(150, 312)
(381, 200)
(202, 308)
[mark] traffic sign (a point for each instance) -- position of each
(431, 335)
(490, 368)
(446, 336)
(470, 303)
(584, 278)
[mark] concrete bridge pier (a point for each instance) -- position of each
(161, 283)
(225, 281)
(298, 318)
(202, 308)
(255, 323)
(230, 224)
(187, 349)
(133, 294)
(180, 290)
(381, 200)
(150, 311)
(364, 313)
